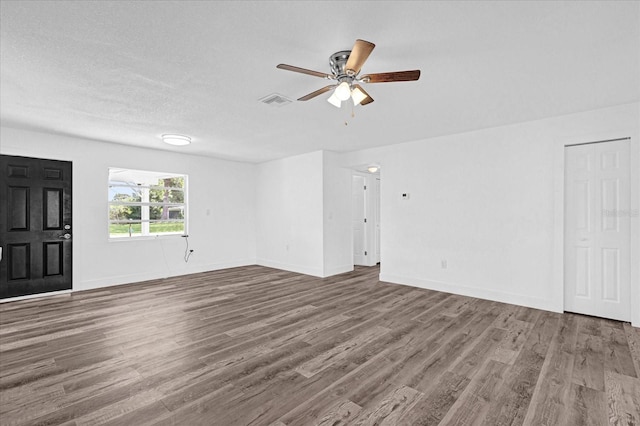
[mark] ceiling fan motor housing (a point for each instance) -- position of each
(338, 62)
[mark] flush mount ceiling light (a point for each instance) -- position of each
(373, 169)
(177, 140)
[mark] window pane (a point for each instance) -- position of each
(166, 227)
(117, 230)
(165, 212)
(171, 182)
(166, 195)
(125, 213)
(125, 193)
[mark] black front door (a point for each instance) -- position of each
(35, 226)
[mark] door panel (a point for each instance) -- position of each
(583, 272)
(597, 230)
(35, 213)
(611, 274)
(52, 217)
(19, 261)
(18, 199)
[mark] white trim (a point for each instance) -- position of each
(146, 237)
(300, 269)
(134, 278)
(36, 296)
(328, 272)
(634, 204)
(496, 296)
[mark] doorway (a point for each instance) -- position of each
(35, 226)
(597, 236)
(365, 202)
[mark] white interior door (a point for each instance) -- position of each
(358, 218)
(597, 233)
(376, 196)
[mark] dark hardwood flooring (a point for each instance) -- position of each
(258, 346)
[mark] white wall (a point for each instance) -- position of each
(304, 214)
(289, 211)
(224, 238)
(337, 243)
(490, 203)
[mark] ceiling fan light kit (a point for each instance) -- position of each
(333, 100)
(357, 95)
(343, 91)
(345, 69)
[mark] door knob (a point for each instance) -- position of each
(65, 236)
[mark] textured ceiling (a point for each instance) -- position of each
(127, 72)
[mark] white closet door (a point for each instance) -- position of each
(597, 232)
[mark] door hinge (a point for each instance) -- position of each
(365, 187)
(365, 220)
(365, 253)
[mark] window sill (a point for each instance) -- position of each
(144, 238)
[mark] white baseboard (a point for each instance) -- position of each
(513, 299)
(316, 272)
(133, 278)
(36, 296)
(329, 272)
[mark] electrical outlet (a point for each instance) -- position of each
(443, 263)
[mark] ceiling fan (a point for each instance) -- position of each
(345, 69)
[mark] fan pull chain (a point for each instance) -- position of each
(353, 115)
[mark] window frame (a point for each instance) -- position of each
(139, 180)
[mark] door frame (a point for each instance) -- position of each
(559, 213)
(364, 257)
(372, 219)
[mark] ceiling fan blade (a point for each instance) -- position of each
(385, 77)
(360, 52)
(304, 71)
(366, 100)
(316, 93)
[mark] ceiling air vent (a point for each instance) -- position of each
(275, 100)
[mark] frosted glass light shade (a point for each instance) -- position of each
(333, 100)
(343, 91)
(357, 96)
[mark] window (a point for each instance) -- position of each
(143, 203)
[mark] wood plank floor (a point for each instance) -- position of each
(258, 346)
